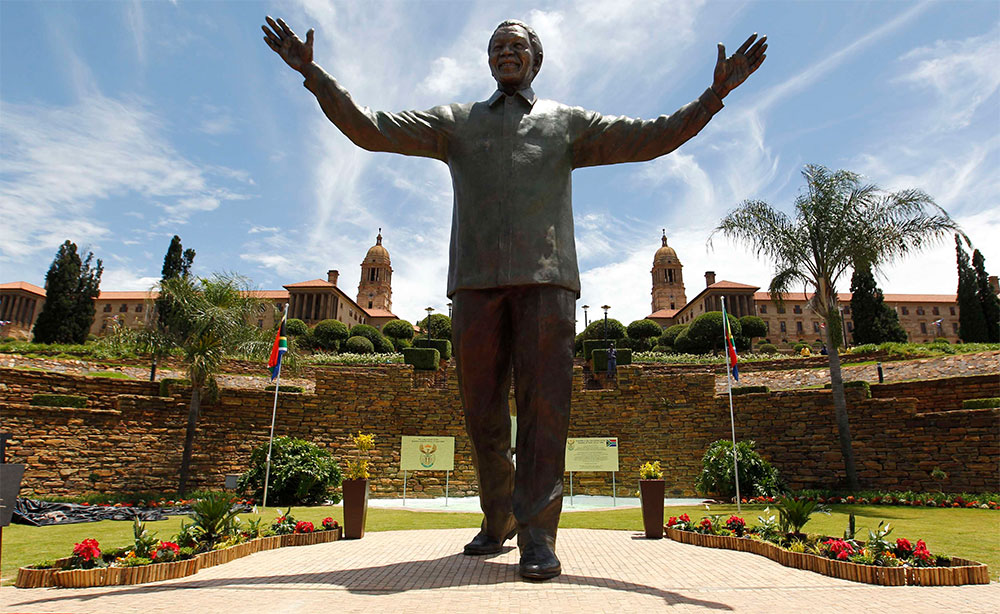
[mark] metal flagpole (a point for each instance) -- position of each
(274, 412)
(732, 419)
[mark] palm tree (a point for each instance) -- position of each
(209, 319)
(839, 222)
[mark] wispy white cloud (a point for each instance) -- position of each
(136, 17)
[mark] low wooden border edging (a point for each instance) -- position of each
(30, 577)
(961, 572)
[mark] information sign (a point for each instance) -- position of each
(592, 454)
(420, 453)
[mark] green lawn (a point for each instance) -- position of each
(968, 533)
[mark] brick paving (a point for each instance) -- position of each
(398, 572)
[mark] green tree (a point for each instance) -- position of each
(440, 326)
(177, 264)
(971, 320)
(295, 327)
(71, 285)
(669, 336)
(838, 222)
(329, 334)
(705, 333)
(987, 298)
(616, 330)
(753, 326)
(642, 332)
(210, 318)
(874, 321)
(379, 343)
(399, 332)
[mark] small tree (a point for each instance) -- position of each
(379, 343)
(753, 326)
(177, 263)
(705, 333)
(642, 331)
(616, 330)
(71, 285)
(874, 321)
(301, 473)
(296, 327)
(328, 334)
(669, 336)
(440, 326)
(399, 332)
(987, 298)
(971, 320)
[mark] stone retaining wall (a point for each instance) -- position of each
(130, 439)
(941, 394)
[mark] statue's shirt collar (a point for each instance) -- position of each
(527, 95)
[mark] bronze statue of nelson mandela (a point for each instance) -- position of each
(513, 276)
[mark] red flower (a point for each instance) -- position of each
(685, 518)
(330, 524)
(850, 498)
(921, 552)
(842, 555)
(87, 549)
(672, 521)
(304, 526)
(170, 549)
(904, 545)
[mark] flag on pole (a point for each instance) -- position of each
(731, 357)
(278, 349)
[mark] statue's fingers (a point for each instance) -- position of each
(309, 37)
(746, 44)
(274, 46)
(756, 63)
(274, 26)
(757, 51)
(285, 28)
(722, 52)
(270, 36)
(756, 46)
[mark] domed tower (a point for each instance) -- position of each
(375, 289)
(668, 281)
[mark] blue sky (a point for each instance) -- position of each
(124, 123)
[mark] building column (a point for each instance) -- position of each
(18, 303)
(3, 306)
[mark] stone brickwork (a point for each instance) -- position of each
(130, 439)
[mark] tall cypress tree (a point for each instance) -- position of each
(874, 321)
(71, 285)
(176, 263)
(971, 321)
(987, 298)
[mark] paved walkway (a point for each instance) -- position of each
(422, 572)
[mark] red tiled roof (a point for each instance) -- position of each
(845, 297)
(663, 313)
(23, 285)
(312, 283)
(379, 313)
(272, 294)
(134, 295)
(732, 285)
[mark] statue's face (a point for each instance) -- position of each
(512, 61)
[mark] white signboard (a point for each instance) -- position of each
(592, 454)
(419, 453)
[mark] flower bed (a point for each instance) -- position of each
(961, 571)
(32, 577)
(986, 501)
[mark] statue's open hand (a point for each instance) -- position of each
(731, 71)
(290, 47)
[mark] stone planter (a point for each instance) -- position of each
(961, 572)
(651, 494)
(355, 508)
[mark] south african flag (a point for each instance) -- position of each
(278, 349)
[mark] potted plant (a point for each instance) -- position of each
(651, 491)
(355, 487)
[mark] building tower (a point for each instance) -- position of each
(375, 289)
(668, 282)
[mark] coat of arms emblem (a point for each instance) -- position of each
(427, 451)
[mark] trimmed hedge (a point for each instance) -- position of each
(750, 390)
(767, 348)
(58, 400)
(987, 403)
(427, 359)
(623, 357)
(855, 384)
(590, 345)
(359, 345)
(167, 382)
(443, 346)
(285, 388)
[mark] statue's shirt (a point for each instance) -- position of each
(511, 158)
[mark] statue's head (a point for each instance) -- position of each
(515, 54)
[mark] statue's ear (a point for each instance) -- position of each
(537, 65)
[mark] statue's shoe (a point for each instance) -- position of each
(484, 544)
(538, 562)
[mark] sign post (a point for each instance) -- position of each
(598, 454)
(426, 453)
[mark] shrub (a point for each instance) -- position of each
(767, 348)
(616, 330)
(301, 473)
(943, 340)
(285, 388)
(757, 476)
(593, 344)
(795, 514)
(684, 344)
(600, 356)
(705, 332)
(368, 332)
(749, 390)
(651, 471)
(855, 384)
(643, 329)
(662, 349)
(753, 326)
(359, 345)
(987, 403)
(58, 400)
(798, 347)
(398, 345)
(213, 518)
(668, 336)
(328, 334)
(296, 327)
(440, 326)
(443, 346)
(428, 359)
(398, 329)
